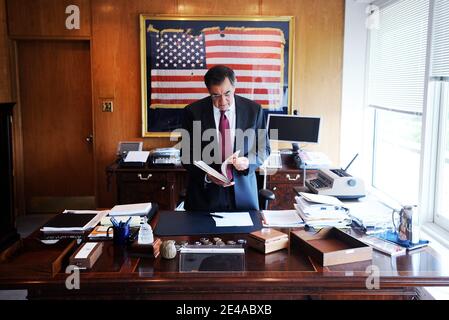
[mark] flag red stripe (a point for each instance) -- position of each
(177, 78)
(204, 90)
(180, 90)
(247, 43)
(251, 55)
(201, 79)
(246, 31)
(250, 67)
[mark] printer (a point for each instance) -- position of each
(337, 183)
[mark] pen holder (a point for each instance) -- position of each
(120, 234)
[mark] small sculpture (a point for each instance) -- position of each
(168, 249)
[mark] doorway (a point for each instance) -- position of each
(56, 98)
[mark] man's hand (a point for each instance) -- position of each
(219, 182)
(241, 163)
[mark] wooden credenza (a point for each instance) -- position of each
(164, 184)
(282, 181)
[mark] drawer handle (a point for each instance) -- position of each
(162, 188)
(144, 179)
(292, 179)
(275, 188)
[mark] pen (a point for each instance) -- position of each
(215, 215)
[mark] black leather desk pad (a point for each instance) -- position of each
(184, 223)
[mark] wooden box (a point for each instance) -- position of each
(268, 240)
(87, 254)
(330, 246)
(31, 256)
(145, 251)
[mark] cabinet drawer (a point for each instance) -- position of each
(142, 176)
(285, 196)
(147, 191)
(283, 177)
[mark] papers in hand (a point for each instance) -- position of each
(135, 209)
(233, 219)
(211, 171)
(281, 218)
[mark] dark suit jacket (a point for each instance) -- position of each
(249, 115)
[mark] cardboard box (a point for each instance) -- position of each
(87, 254)
(268, 240)
(330, 246)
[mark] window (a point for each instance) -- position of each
(407, 86)
(440, 80)
(396, 87)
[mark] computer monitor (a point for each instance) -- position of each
(294, 129)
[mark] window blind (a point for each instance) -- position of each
(440, 40)
(397, 56)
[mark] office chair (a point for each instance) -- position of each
(265, 196)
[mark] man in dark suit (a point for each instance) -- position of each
(217, 126)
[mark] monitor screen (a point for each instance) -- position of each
(293, 128)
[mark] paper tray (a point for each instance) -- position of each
(330, 246)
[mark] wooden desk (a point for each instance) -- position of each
(163, 184)
(279, 275)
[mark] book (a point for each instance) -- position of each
(134, 209)
(211, 171)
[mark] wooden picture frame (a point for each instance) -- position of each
(177, 51)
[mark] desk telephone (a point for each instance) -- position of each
(337, 182)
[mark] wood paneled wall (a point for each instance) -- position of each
(46, 19)
(5, 61)
(114, 34)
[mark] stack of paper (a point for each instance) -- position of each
(134, 222)
(135, 209)
(322, 211)
(281, 218)
(137, 156)
(232, 219)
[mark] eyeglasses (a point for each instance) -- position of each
(218, 96)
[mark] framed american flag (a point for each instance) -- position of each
(177, 51)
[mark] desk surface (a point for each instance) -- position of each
(279, 275)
